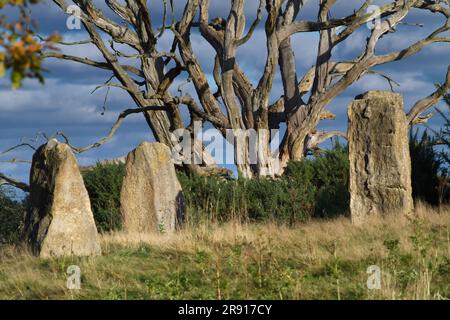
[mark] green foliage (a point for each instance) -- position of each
(11, 216)
(212, 199)
(431, 160)
(327, 176)
(315, 187)
(444, 134)
(425, 165)
(103, 184)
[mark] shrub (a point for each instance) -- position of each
(315, 187)
(103, 183)
(247, 200)
(11, 217)
(213, 199)
(425, 165)
(327, 177)
(303, 192)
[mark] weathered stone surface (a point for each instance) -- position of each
(60, 222)
(380, 163)
(151, 198)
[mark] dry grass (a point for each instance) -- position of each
(317, 260)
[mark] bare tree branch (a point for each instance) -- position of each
(92, 63)
(315, 139)
(4, 180)
(253, 27)
(424, 104)
(21, 145)
(15, 161)
(74, 43)
(111, 133)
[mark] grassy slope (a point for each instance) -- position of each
(318, 260)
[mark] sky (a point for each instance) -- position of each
(66, 102)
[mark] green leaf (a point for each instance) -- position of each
(2, 69)
(16, 79)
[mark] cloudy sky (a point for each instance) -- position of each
(66, 102)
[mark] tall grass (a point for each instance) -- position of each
(325, 259)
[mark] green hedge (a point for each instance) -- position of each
(425, 167)
(103, 183)
(327, 177)
(11, 216)
(304, 192)
(315, 187)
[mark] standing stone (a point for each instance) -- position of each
(151, 200)
(60, 222)
(380, 163)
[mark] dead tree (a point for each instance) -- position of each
(238, 105)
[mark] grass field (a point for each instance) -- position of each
(316, 260)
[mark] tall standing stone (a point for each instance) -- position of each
(151, 199)
(60, 222)
(380, 163)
